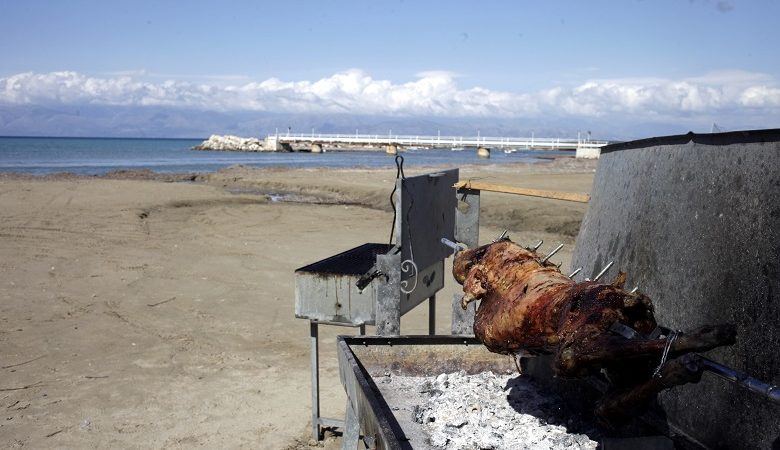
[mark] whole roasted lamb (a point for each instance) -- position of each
(529, 306)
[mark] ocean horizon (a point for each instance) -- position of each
(100, 155)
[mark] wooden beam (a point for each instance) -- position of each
(567, 196)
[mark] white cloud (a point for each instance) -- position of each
(430, 94)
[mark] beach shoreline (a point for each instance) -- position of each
(155, 310)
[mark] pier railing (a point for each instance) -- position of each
(438, 141)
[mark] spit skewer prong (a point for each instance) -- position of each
(603, 271)
(501, 236)
(557, 249)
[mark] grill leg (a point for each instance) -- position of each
(432, 315)
(315, 380)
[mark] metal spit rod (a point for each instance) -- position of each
(575, 272)
(744, 380)
(456, 247)
(752, 384)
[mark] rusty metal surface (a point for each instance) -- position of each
(326, 290)
(426, 357)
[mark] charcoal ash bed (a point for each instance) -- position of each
(483, 410)
(446, 392)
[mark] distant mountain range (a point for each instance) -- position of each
(134, 121)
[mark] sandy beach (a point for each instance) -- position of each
(151, 312)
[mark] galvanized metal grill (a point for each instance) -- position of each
(355, 261)
(375, 284)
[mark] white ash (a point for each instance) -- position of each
(489, 411)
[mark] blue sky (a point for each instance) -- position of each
(696, 61)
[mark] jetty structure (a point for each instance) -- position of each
(586, 148)
(392, 144)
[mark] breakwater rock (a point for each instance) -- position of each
(232, 143)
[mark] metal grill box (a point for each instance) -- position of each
(325, 291)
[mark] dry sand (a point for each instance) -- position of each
(139, 313)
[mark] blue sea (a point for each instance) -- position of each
(97, 156)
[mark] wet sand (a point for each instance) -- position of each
(146, 311)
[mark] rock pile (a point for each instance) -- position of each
(489, 411)
(231, 143)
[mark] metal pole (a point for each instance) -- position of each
(467, 232)
(315, 380)
(767, 390)
(432, 315)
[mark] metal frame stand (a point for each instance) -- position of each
(388, 299)
(467, 232)
(432, 315)
(317, 421)
(388, 305)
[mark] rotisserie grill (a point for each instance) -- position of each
(529, 307)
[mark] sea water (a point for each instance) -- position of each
(97, 156)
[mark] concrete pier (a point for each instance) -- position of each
(588, 152)
(483, 152)
(316, 148)
(272, 144)
(391, 149)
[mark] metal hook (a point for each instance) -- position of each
(399, 164)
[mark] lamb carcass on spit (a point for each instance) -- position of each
(529, 306)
